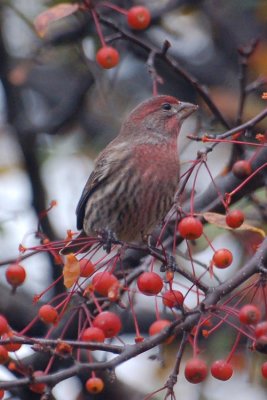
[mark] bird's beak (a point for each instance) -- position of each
(185, 109)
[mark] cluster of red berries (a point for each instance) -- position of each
(196, 370)
(191, 228)
(6, 333)
(138, 18)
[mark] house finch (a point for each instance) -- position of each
(132, 186)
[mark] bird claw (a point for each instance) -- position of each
(108, 238)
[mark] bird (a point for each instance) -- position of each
(135, 177)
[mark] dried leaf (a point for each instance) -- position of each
(55, 13)
(219, 220)
(71, 270)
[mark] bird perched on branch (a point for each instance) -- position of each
(132, 186)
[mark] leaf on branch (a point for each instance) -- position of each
(219, 220)
(71, 270)
(55, 13)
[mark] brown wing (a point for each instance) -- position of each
(106, 165)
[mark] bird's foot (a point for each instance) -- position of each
(108, 238)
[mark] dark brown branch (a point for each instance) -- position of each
(175, 66)
(243, 127)
(245, 53)
(253, 266)
(45, 343)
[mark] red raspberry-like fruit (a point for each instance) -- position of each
(261, 344)
(15, 275)
(173, 298)
(264, 370)
(37, 387)
(261, 329)
(94, 385)
(11, 346)
(138, 17)
(190, 228)
(149, 283)
(86, 268)
(221, 370)
(109, 322)
(48, 314)
(3, 355)
(196, 370)
(242, 169)
(222, 258)
(4, 328)
(93, 334)
(157, 326)
(249, 314)
(103, 282)
(107, 57)
(235, 218)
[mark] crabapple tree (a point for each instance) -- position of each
(198, 281)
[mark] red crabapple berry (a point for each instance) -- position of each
(37, 387)
(149, 283)
(190, 228)
(10, 346)
(93, 334)
(261, 329)
(157, 326)
(15, 275)
(242, 169)
(196, 370)
(138, 17)
(109, 322)
(264, 370)
(94, 385)
(63, 349)
(4, 328)
(222, 258)
(261, 344)
(48, 314)
(103, 282)
(249, 314)
(235, 218)
(3, 355)
(107, 57)
(172, 298)
(221, 370)
(86, 268)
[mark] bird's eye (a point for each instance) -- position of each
(166, 106)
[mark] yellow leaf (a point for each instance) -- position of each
(71, 270)
(219, 220)
(53, 14)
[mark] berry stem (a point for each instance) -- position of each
(157, 309)
(263, 290)
(136, 326)
(113, 7)
(192, 197)
(207, 139)
(214, 184)
(49, 365)
(228, 359)
(193, 270)
(98, 28)
(229, 196)
(29, 326)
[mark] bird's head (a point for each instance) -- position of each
(159, 115)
